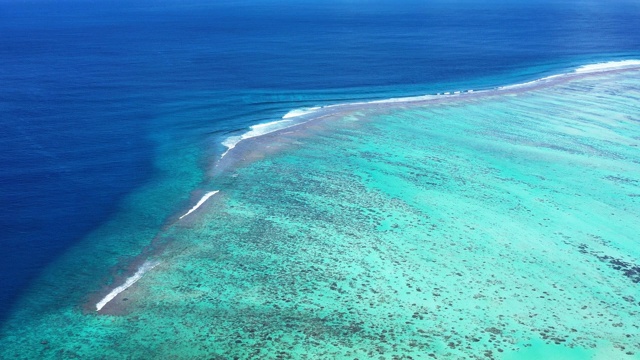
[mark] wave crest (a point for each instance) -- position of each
(608, 66)
(300, 112)
(254, 131)
(148, 265)
(202, 200)
(262, 129)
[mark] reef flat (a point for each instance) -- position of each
(501, 224)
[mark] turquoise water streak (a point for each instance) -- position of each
(502, 225)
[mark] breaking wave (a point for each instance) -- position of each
(148, 265)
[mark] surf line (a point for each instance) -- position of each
(148, 265)
(204, 198)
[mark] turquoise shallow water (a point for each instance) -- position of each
(502, 225)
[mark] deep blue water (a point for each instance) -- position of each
(85, 86)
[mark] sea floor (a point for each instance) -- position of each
(503, 225)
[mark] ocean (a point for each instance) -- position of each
(115, 116)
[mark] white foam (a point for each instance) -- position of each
(397, 100)
(300, 112)
(254, 131)
(530, 83)
(202, 200)
(606, 66)
(585, 69)
(148, 265)
(262, 129)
